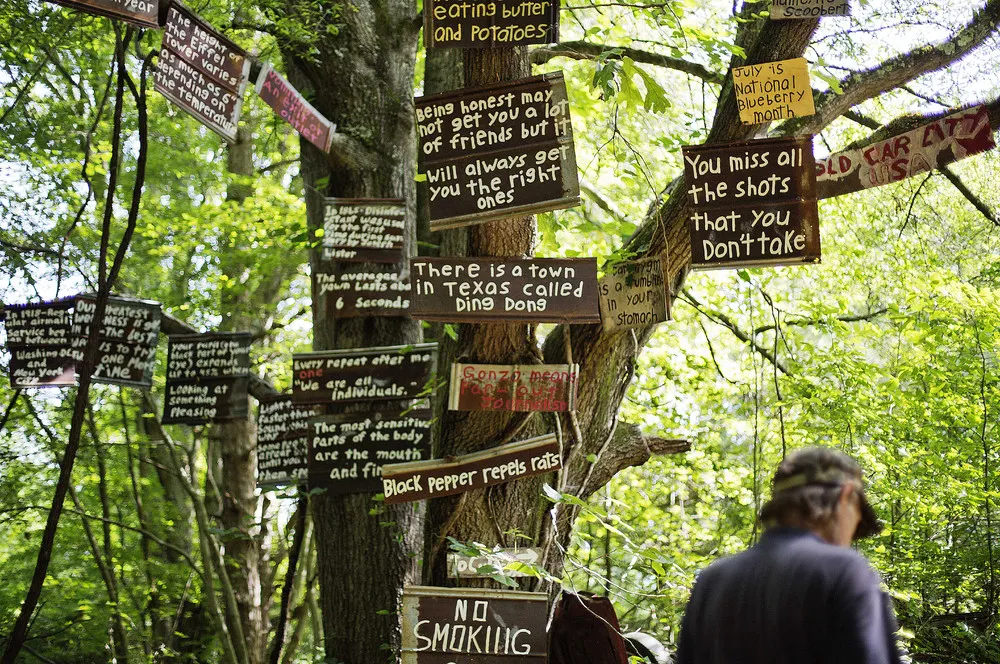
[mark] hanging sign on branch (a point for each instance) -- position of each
(419, 480)
(293, 108)
(544, 290)
(752, 203)
(773, 91)
(523, 387)
(799, 9)
(490, 23)
(347, 452)
(201, 71)
(930, 146)
(208, 378)
(363, 374)
(362, 291)
(367, 230)
(38, 338)
(283, 440)
(493, 152)
(634, 294)
(126, 353)
(473, 626)
(144, 13)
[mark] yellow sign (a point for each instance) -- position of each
(773, 91)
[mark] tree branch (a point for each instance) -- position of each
(970, 196)
(582, 50)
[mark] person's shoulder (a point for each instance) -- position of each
(845, 564)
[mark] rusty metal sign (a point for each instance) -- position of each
(419, 480)
(362, 291)
(634, 294)
(522, 387)
(800, 9)
(920, 150)
(208, 378)
(473, 626)
(363, 374)
(467, 567)
(544, 290)
(144, 13)
(202, 71)
(494, 152)
(478, 24)
(752, 203)
(283, 440)
(347, 452)
(126, 353)
(367, 230)
(38, 339)
(293, 108)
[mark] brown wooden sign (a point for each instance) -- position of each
(799, 9)
(494, 152)
(208, 378)
(363, 291)
(920, 150)
(126, 353)
(347, 452)
(367, 230)
(283, 440)
(363, 374)
(144, 13)
(473, 626)
(201, 71)
(38, 338)
(634, 294)
(752, 203)
(544, 290)
(293, 108)
(467, 567)
(490, 23)
(419, 480)
(522, 387)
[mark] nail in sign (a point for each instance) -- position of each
(406, 482)
(364, 374)
(144, 13)
(481, 23)
(523, 387)
(38, 339)
(773, 91)
(752, 203)
(293, 108)
(283, 440)
(208, 378)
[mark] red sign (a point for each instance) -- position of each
(293, 108)
(523, 387)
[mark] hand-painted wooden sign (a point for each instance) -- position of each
(473, 626)
(418, 480)
(634, 294)
(126, 353)
(368, 230)
(467, 567)
(144, 13)
(920, 150)
(544, 290)
(347, 452)
(799, 9)
(293, 108)
(490, 23)
(362, 291)
(363, 374)
(522, 387)
(283, 440)
(208, 378)
(773, 91)
(38, 338)
(494, 152)
(752, 203)
(201, 71)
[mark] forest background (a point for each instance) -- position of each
(888, 349)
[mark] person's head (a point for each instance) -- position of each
(821, 489)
